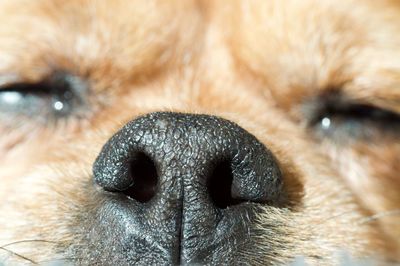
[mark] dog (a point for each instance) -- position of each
(199, 132)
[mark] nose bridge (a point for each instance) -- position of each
(183, 157)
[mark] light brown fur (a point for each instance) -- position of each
(257, 63)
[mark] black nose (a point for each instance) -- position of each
(190, 183)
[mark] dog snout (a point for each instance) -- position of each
(191, 182)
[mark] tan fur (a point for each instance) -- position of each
(253, 62)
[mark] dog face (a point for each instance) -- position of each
(199, 132)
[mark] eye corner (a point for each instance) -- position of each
(316, 108)
(70, 92)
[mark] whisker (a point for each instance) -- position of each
(18, 255)
(58, 260)
(28, 241)
(379, 216)
(330, 218)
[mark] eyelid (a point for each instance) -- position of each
(339, 102)
(391, 105)
(40, 88)
(58, 79)
(7, 80)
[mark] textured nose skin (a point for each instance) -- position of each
(184, 218)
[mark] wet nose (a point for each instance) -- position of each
(190, 183)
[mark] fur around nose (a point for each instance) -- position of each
(186, 173)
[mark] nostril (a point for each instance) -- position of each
(220, 185)
(143, 173)
(238, 167)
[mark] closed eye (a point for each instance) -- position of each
(339, 118)
(59, 96)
